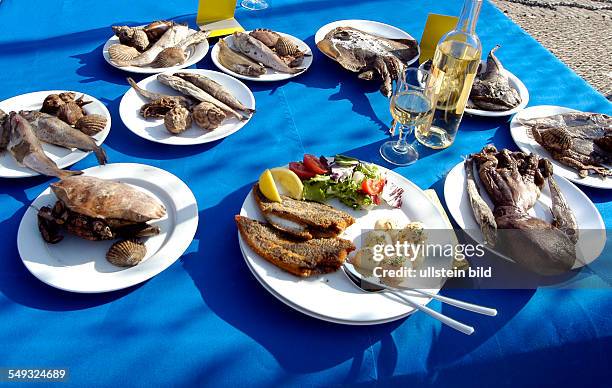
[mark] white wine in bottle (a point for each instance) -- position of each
(454, 68)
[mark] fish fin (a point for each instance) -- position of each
(68, 173)
(100, 155)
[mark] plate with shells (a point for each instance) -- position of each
(129, 42)
(526, 142)
(155, 129)
(83, 266)
(297, 53)
(95, 112)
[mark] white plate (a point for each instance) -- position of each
(154, 129)
(270, 75)
(369, 26)
(194, 55)
(63, 157)
(516, 84)
(79, 265)
(333, 297)
(589, 246)
(527, 144)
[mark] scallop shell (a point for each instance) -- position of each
(126, 253)
(177, 120)
(51, 104)
(70, 113)
(121, 52)
(285, 46)
(207, 115)
(140, 40)
(91, 124)
(169, 57)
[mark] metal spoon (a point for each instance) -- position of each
(369, 286)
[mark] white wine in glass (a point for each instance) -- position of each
(412, 107)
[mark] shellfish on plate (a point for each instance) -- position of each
(120, 51)
(210, 122)
(263, 55)
(80, 265)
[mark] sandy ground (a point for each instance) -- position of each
(579, 32)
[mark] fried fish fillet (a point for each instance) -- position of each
(299, 257)
(303, 219)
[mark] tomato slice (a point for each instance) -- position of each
(313, 164)
(300, 170)
(372, 186)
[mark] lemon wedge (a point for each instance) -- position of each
(268, 187)
(289, 181)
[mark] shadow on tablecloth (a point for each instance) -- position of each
(18, 284)
(301, 344)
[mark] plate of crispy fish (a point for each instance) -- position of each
(579, 144)
(515, 204)
(295, 249)
(262, 55)
(156, 47)
(112, 227)
(191, 106)
(374, 50)
(47, 131)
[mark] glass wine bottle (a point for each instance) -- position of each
(454, 68)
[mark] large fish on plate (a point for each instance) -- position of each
(27, 150)
(52, 130)
(372, 56)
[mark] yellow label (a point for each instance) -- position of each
(215, 10)
(435, 27)
(217, 16)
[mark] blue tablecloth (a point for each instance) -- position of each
(206, 320)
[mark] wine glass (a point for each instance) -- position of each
(254, 5)
(412, 106)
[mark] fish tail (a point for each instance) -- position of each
(68, 173)
(100, 155)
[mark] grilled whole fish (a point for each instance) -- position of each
(191, 90)
(173, 36)
(5, 130)
(27, 150)
(215, 89)
(491, 90)
(296, 256)
(152, 96)
(52, 130)
(580, 140)
(237, 62)
(303, 219)
(259, 52)
(373, 57)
